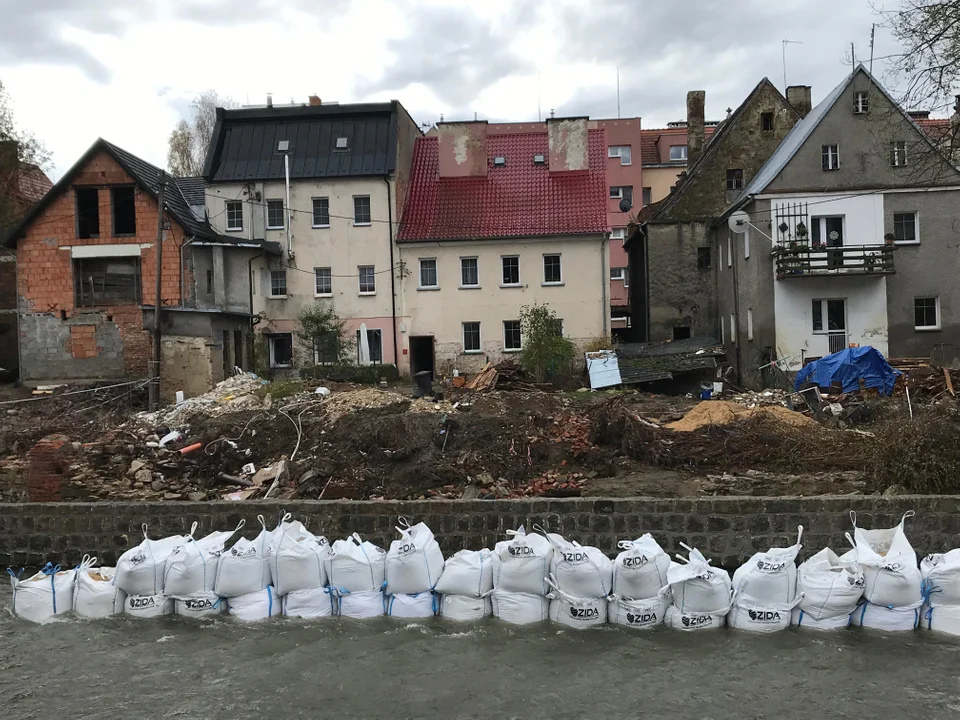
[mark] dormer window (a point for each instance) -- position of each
(861, 104)
(341, 143)
(499, 161)
(539, 160)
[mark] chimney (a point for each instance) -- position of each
(269, 100)
(919, 114)
(463, 149)
(314, 100)
(9, 158)
(696, 99)
(569, 148)
(799, 98)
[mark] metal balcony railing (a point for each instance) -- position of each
(817, 261)
(836, 341)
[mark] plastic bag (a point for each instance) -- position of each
(576, 612)
(891, 575)
(640, 570)
(697, 587)
(255, 606)
(296, 560)
(355, 565)
(583, 572)
(468, 573)
(637, 614)
(520, 608)
(418, 605)
(42, 596)
(199, 606)
(148, 606)
(769, 577)
(521, 564)
(310, 604)
(941, 578)
(414, 563)
(140, 569)
(245, 568)
(464, 608)
(361, 605)
(191, 568)
(94, 594)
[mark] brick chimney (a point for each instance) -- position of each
(463, 148)
(569, 145)
(314, 100)
(696, 100)
(799, 97)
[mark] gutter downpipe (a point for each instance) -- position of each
(180, 253)
(393, 275)
(288, 213)
(604, 282)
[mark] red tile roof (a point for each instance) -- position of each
(937, 129)
(518, 200)
(649, 137)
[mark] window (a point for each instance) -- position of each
(746, 244)
(827, 231)
(124, 210)
(729, 251)
(619, 234)
(469, 272)
(275, 215)
(703, 258)
(735, 179)
(471, 337)
(375, 343)
(499, 161)
(342, 143)
(361, 210)
(511, 270)
(368, 279)
(281, 350)
(681, 332)
(621, 151)
(551, 270)
(835, 313)
(678, 153)
(618, 273)
(646, 196)
(898, 153)
(926, 313)
(905, 228)
(321, 212)
(830, 157)
(511, 335)
(733, 328)
(209, 282)
(556, 326)
(622, 192)
(539, 159)
(720, 248)
(325, 349)
(88, 213)
(234, 215)
(861, 104)
(723, 332)
(750, 324)
(428, 273)
(106, 281)
(278, 283)
(766, 121)
(323, 278)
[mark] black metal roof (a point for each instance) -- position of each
(244, 146)
(193, 190)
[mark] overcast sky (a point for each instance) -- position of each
(126, 71)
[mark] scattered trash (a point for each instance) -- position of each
(322, 391)
(170, 437)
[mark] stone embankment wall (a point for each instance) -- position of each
(727, 529)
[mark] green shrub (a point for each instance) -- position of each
(364, 374)
(545, 353)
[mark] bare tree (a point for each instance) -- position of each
(17, 147)
(189, 140)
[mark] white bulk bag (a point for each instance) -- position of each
(697, 587)
(891, 575)
(245, 568)
(191, 567)
(640, 570)
(42, 596)
(310, 604)
(748, 613)
(519, 608)
(941, 578)
(467, 573)
(576, 612)
(521, 564)
(94, 594)
(255, 606)
(140, 569)
(583, 572)
(770, 577)
(464, 608)
(830, 586)
(148, 606)
(296, 559)
(800, 619)
(360, 605)
(417, 605)
(679, 620)
(414, 563)
(199, 606)
(356, 566)
(942, 619)
(637, 614)
(891, 619)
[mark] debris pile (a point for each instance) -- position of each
(721, 412)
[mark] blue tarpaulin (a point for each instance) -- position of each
(848, 368)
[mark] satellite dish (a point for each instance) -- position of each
(625, 205)
(739, 222)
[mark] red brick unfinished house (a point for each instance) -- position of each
(86, 273)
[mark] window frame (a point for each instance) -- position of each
(733, 329)
(371, 333)
(503, 284)
(113, 209)
(559, 257)
(621, 273)
(369, 221)
(749, 324)
(898, 154)
(616, 151)
(313, 215)
(89, 193)
(830, 157)
(861, 102)
(436, 274)
(621, 234)
(700, 256)
(825, 315)
(100, 300)
(764, 118)
(283, 225)
(936, 309)
(734, 181)
(916, 228)
(271, 338)
(227, 205)
(476, 265)
(519, 331)
(316, 282)
(276, 273)
(463, 338)
(361, 269)
(683, 153)
(646, 196)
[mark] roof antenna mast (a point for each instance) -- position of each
(784, 48)
(618, 91)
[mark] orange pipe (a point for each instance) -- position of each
(191, 448)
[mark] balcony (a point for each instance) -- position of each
(805, 261)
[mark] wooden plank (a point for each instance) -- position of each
(946, 376)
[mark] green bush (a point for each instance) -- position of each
(365, 374)
(545, 353)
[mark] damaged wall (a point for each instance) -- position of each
(681, 295)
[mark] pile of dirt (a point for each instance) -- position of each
(722, 412)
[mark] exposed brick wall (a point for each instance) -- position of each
(728, 530)
(46, 465)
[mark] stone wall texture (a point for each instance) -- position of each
(728, 530)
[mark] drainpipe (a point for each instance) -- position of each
(393, 279)
(736, 310)
(180, 253)
(250, 278)
(605, 280)
(288, 214)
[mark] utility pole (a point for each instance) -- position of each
(154, 387)
(873, 37)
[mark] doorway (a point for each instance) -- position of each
(421, 355)
(238, 349)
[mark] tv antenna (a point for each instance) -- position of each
(784, 49)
